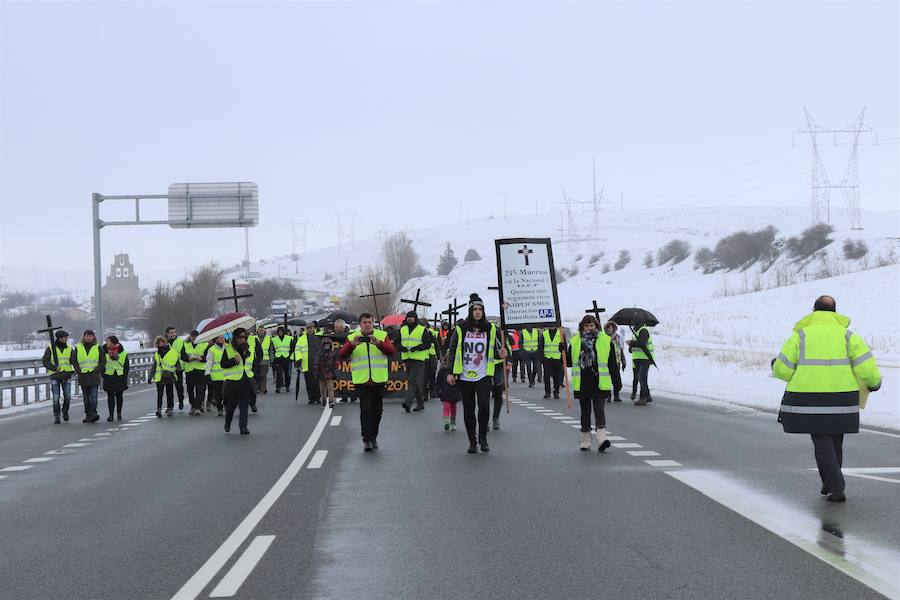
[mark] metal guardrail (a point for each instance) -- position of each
(23, 379)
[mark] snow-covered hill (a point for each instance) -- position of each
(715, 337)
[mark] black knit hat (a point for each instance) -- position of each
(413, 314)
(475, 300)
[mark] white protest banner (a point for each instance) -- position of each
(527, 283)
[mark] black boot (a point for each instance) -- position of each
(484, 445)
(473, 448)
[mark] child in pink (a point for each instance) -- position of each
(449, 395)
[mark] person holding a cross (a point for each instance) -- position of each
(58, 362)
(415, 340)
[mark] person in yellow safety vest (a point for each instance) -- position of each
(237, 369)
(163, 371)
(88, 362)
(588, 355)
(475, 346)
(550, 349)
(215, 372)
(194, 366)
(415, 340)
(431, 362)
(642, 356)
(369, 351)
(306, 351)
(282, 349)
(59, 367)
(530, 342)
(827, 367)
(616, 361)
(115, 375)
(177, 344)
(263, 350)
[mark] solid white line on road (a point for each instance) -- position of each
(195, 585)
(75, 445)
(663, 463)
(626, 445)
(16, 468)
(40, 459)
(242, 568)
(868, 563)
(317, 459)
(336, 420)
(643, 453)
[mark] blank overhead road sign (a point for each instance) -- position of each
(213, 205)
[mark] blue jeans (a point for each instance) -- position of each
(90, 399)
(66, 387)
(642, 367)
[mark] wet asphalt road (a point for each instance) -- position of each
(137, 511)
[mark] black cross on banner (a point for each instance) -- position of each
(596, 310)
(525, 251)
(234, 295)
(49, 331)
(416, 303)
(374, 296)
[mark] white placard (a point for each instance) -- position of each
(527, 283)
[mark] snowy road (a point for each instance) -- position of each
(691, 502)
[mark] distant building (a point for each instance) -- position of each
(121, 294)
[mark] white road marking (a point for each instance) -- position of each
(87, 440)
(336, 420)
(872, 473)
(570, 421)
(564, 417)
(59, 452)
(577, 426)
(543, 411)
(102, 433)
(663, 463)
(876, 432)
(643, 453)
(132, 424)
(16, 468)
(317, 459)
(615, 438)
(40, 459)
(868, 563)
(553, 414)
(626, 445)
(3, 476)
(205, 574)
(75, 445)
(242, 568)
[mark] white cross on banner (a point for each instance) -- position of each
(527, 283)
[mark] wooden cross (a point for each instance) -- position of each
(453, 311)
(416, 303)
(596, 310)
(234, 295)
(436, 321)
(374, 296)
(49, 331)
(525, 251)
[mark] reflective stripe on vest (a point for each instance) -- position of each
(432, 350)
(240, 370)
(87, 360)
(63, 358)
(217, 373)
(604, 381)
(529, 340)
(367, 362)
(551, 345)
(460, 340)
(194, 350)
(282, 346)
(638, 353)
(115, 367)
(411, 339)
(168, 363)
(301, 352)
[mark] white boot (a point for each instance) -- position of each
(602, 442)
(585, 441)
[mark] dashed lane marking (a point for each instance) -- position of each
(571, 421)
(318, 458)
(238, 573)
(15, 468)
(75, 445)
(59, 452)
(560, 418)
(336, 420)
(40, 459)
(626, 445)
(663, 463)
(615, 438)
(643, 453)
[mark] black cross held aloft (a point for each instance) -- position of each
(234, 295)
(436, 321)
(374, 296)
(50, 331)
(416, 303)
(596, 310)
(453, 311)
(525, 251)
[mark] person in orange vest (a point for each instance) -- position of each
(514, 338)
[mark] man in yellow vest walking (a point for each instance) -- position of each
(642, 355)
(826, 366)
(60, 373)
(550, 349)
(89, 363)
(415, 340)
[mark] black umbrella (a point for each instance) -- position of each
(343, 315)
(635, 317)
(297, 322)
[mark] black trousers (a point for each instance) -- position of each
(634, 378)
(616, 375)
(312, 385)
(497, 393)
(170, 401)
(430, 372)
(590, 396)
(532, 365)
(829, 458)
(237, 396)
(179, 385)
(215, 394)
(518, 364)
(114, 401)
(371, 407)
(281, 366)
(553, 369)
(472, 392)
(196, 388)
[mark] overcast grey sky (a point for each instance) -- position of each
(403, 111)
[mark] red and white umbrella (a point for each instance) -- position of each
(225, 324)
